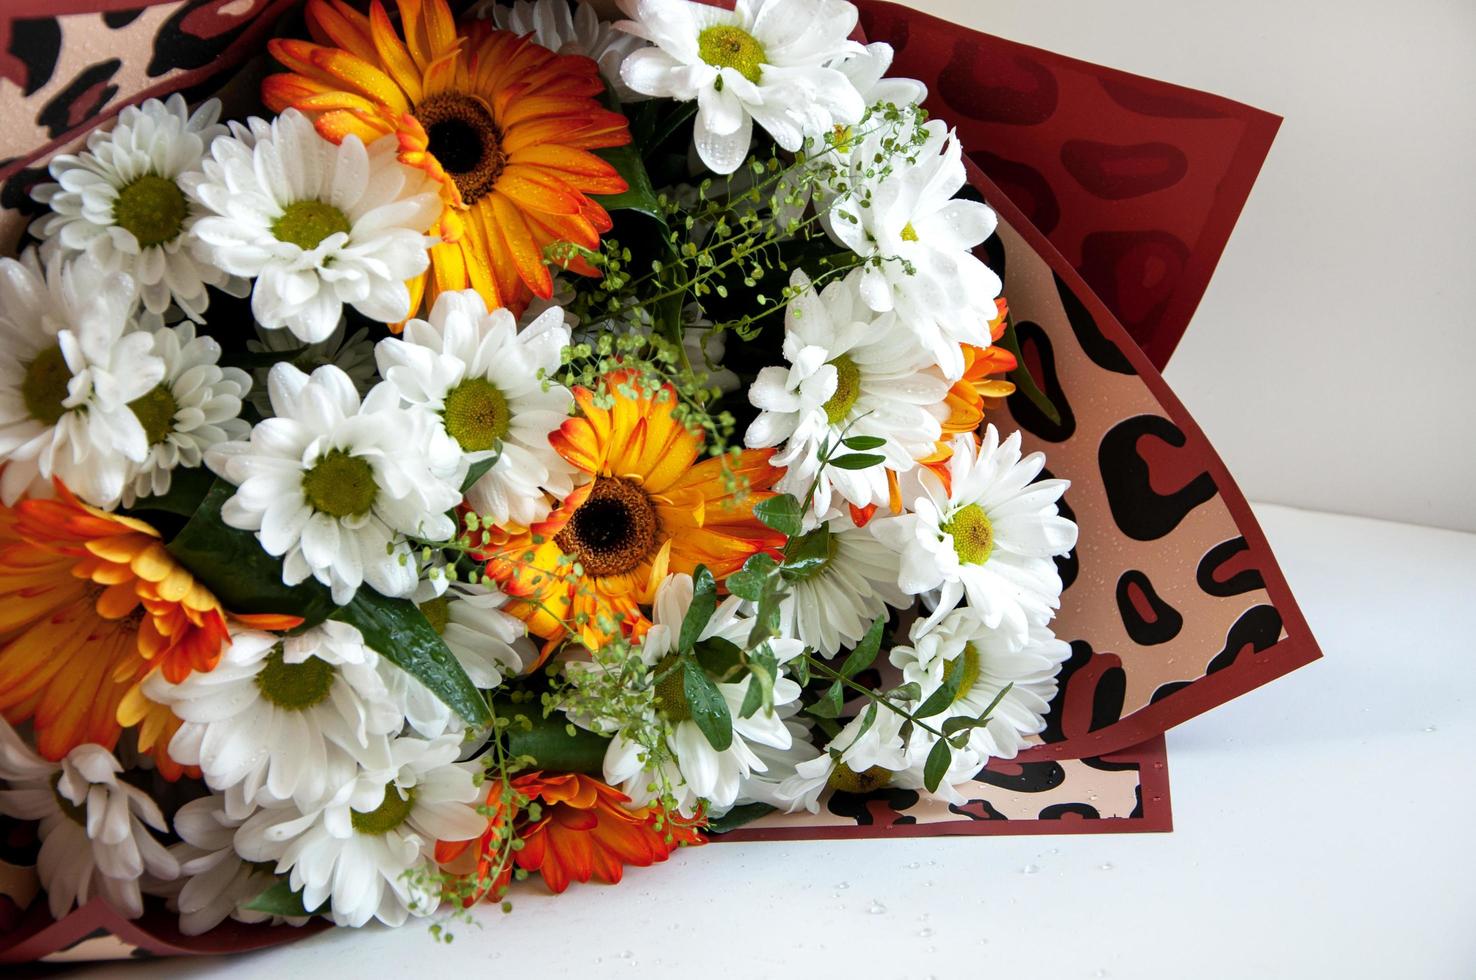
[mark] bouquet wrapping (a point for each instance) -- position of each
(568, 434)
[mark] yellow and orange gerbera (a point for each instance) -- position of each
(90, 604)
(648, 509)
(505, 126)
(584, 830)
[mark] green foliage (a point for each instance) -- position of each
(704, 602)
(709, 709)
(782, 513)
(233, 565)
(280, 899)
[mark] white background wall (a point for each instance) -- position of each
(1333, 360)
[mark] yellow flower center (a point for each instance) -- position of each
(466, 140)
(967, 664)
(847, 390)
(671, 691)
(44, 388)
(392, 811)
(155, 412)
(725, 46)
(340, 485)
(973, 535)
(612, 531)
(152, 208)
(909, 233)
(476, 414)
(306, 223)
(295, 687)
(437, 612)
(848, 780)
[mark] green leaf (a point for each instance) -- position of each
(401, 634)
(937, 765)
(864, 442)
(782, 513)
(232, 564)
(187, 490)
(548, 742)
(280, 899)
(748, 582)
(753, 696)
(800, 668)
(479, 470)
(868, 718)
(640, 195)
(804, 556)
(831, 703)
(857, 461)
(704, 602)
(944, 695)
(865, 652)
(717, 655)
(910, 691)
(737, 817)
(1021, 377)
(708, 708)
(958, 724)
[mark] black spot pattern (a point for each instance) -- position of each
(1245, 580)
(1166, 621)
(1139, 511)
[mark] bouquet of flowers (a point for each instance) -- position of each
(612, 397)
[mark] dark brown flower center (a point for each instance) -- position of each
(466, 140)
(614, 530)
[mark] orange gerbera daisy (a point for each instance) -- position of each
(90, 604)
(583, 831)
(649, 509)
(503, 124)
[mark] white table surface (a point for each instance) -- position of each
(1323, 829)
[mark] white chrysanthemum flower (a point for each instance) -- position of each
(852, 372)
(863, 756)
(215, 884)
(565, 30)
(74, 361)
(488, 643)
(370, 852)
(867, 70)
(702, 773)
(195, 407)
(917, 241)
(282, 717)
(120, 203)
(94, 827)
(318, 226)
(833, 604)
(765, 61)
(485, 382)
(989, 535)
(779, 765)
(351, 353)
(986, 661)
(705, 349)
(332, 485)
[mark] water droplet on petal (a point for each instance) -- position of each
(1030, 869)
(1430, 728)
(1105, 866)
(876, 908)
(925, 932)
(843, 885)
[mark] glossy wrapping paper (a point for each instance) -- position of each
(1116, 195)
